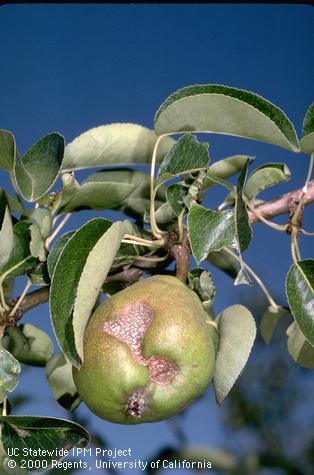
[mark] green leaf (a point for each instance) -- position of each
(270, 319)
(41, 217)
(39, 274)
(20, 260)
(265, 177)
(307, 141)
(224, 261)
(237, 331)
(7, 150)
(113, 144)
(9, 372)
(60, 379)
(6, 235)
(300, 295)
(175, 197)
(185, 155)
(299, 348)
(29, 344)
(225, 110)
(92, 195)
(210, 230)
(242, 226)
(202, 283)
(78, 276)
(14, 205)
(225, 169)
(52, 438)
(56, 250)
(37, 245)
(39, 169)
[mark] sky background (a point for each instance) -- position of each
(68, 68)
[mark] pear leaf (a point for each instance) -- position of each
(300, 295)
(113, 144)
(9, 372)
(38, 170)
(237, 331)
(78, 276)
(307, 141)
(52, 438)
(299, 348)
(220, 109)
(7, 150)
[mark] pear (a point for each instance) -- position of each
(148, 353)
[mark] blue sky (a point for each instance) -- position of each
(68, 68)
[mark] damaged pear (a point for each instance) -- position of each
(148, 353)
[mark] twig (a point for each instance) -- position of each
(281, 205)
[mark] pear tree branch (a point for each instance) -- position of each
(130, 274)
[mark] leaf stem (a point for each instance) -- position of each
(155, 229)
(294, 219)
(278, 227)
(143, 242)
(256, 278)
(306, 233)
(58, 229)
(21, 298)
(5, 407)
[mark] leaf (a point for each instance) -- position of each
(225, 168)
(28, 344)
(270, 319)
(6, 235)
(37, 245)
(50, 437)
(237, 331)
(185, 155)
(242, 226)
(92, 195)
(60, 379)
(224, 261)
(78, 276)
(14, 205)
(39, 275)
(7, 150)
(56, 250)
(113, 144)
(41, 217)
(225, 110)
(307, 141)
(210, 230)
(39, 169)
(20, 260)
(300, 295)
(202, 283)
(264, 177)
(299, 348)
(9, 372)
(175, 197)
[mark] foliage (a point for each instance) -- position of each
(165, 217)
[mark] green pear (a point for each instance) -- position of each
(148, 353)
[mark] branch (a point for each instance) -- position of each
(127, 276)
(282, 205)
(30, 301)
